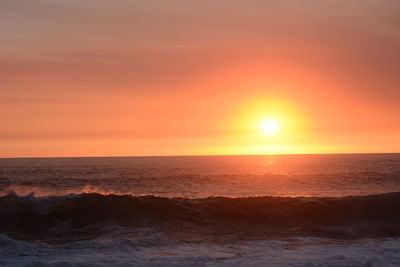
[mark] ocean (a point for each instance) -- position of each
(273, 210)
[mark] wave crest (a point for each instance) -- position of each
(83, 216)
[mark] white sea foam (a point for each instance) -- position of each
(125, 251)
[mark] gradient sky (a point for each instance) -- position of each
(157, 77)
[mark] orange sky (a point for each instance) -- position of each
(154, 77)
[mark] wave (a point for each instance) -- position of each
(84, 216)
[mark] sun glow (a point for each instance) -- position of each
(270, 126)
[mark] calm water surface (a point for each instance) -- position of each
(203, 176)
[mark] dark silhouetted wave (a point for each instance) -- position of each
(84, 216)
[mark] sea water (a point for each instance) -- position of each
(280, 210)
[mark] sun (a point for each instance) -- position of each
(270, 126)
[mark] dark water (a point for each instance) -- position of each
(164, 210)
(196, 177)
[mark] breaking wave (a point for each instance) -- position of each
(85, 216)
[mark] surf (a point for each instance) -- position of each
(86, 216)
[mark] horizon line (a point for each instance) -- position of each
(202, 155)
